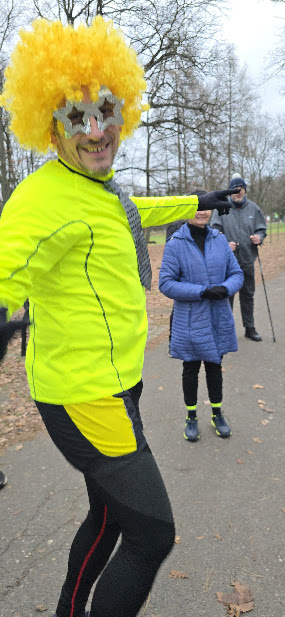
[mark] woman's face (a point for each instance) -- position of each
(201, 218)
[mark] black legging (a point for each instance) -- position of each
(147, 537)
(127, 496)
(190, 381)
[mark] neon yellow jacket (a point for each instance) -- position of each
(65, 243)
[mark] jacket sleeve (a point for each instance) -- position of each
(234, 274)
(260, 224)
(31, 243)
(217, 221)
(169, 283)
(160, 210)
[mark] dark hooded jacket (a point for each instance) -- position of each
(238, 226)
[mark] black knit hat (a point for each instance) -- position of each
(237, 181)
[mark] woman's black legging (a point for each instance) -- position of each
(190, 381)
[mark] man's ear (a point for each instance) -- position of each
(54, 133)
(53, 139)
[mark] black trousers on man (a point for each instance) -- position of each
(127, 499)
(246, 295)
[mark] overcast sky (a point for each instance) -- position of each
(253, 26)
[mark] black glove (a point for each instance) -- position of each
(7, 329)
(218, 292)
(217, 200)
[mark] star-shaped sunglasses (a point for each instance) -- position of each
(76, 117)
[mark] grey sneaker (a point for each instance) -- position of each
(191, 430)
(221, 426)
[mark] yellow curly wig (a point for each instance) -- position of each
(51, 63)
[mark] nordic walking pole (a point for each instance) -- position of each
(261, 272)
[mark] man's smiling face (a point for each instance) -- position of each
(92, 153)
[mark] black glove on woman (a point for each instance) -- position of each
(218, 292)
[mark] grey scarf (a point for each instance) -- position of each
(134, 221)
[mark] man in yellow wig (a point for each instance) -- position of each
(71, 241)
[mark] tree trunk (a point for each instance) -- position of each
(6, 192)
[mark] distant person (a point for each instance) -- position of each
(172, 228)
(245, 229)
(3, 480)
(199, 272)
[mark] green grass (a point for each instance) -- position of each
(159, 238)
(276, 228)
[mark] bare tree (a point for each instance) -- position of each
(197, 131)
(68, 11)
(10, 14)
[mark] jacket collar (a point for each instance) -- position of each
(185, 233)
(101, 179)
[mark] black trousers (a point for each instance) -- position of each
(127, 498)
(246, 296)
(190, 381)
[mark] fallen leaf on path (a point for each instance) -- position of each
(257, 440)
(177, 574)
(261, 402)
(160, 388)
(41, 608)
(207, 402)
(216, 535)
(258, 387)
(177, 540)
(239, 601)
(250, 452)
(264, 422)
(240, 461)
(282, 509)
(200, 537)
(267, 409)
(19, 448)
(223, 370)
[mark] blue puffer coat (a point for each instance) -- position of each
(201, 329)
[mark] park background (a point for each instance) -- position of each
(215, 73)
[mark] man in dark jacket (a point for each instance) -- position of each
(245, 229)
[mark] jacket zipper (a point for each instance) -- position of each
(211, 306)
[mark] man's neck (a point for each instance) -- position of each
(88, 174)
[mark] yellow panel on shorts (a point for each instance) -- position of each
(106, 424)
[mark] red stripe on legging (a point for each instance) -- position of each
(86, 561)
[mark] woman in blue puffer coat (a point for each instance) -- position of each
(200, 272)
